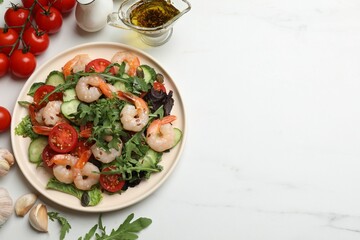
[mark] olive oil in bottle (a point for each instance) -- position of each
(153, 13)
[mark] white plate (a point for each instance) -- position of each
(38, 177)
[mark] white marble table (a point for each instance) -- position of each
(272, 93)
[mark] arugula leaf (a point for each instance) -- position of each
(105, 116)
(90, 234)
(24, 128)
(126, 231)
(65, 225)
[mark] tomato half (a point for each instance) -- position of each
(46, 156)
(22, 64)
(159, 87)
(111, 182)
(98, 65)
(4, 64)
(5, 119)
(63, 138)
(42, 91)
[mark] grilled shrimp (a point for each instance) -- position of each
(131, 60)
(51, 113)
(87, 176)
(76, 64)
(134, 117)
(63, 169)
(90, 88)
(160, 135)
(106, 156)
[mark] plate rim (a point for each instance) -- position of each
(97, 208)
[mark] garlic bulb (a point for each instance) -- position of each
(6, 206)
(6, 161)
(24, 204)
(38, 218)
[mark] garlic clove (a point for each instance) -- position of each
(24, 204)
(4, 167)
(7, 155)
(38, 217)
(6, 205)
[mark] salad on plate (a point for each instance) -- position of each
(99, 126)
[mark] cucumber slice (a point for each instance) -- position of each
(178, 136)
(36, 148)
(70, 107)
(151, 159)
(149, 73)
(55, 78)
(69, 94)
(120, 86)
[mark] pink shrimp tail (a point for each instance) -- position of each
(105, 89)
(156, 124)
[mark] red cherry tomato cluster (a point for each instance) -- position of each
(27, 31)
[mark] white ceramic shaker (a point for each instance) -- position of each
(91, 15)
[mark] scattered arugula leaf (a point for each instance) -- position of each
(90, 234)
(65, 225)
(126, 231)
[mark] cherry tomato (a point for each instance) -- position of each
(8, 38)
(159, 87)
(49, 20)
(5, 119)
(4, 64)
(111, 182)
(37, 41)
(46, 156)
(64, 6)
(98, 65)
(29, 3)
(42, 91)
(22, 64)
(16, 17)
(63, 138)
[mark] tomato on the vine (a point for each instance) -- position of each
(111, 182)
(49, 19)
(29, 3)
(4, 64)
(8, 38)
(5, 119)
(36, 40)
(16, 17)
(64, 6)
(22, 63)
